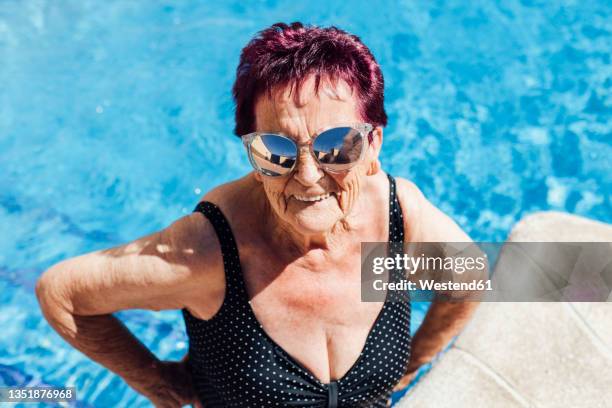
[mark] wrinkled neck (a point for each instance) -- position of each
(286, 238)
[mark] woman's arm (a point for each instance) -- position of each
(444, 320)
(159, 271)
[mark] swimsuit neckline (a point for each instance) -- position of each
(294, 361)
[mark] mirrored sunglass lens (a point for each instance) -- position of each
(273, 154)
(338, 146)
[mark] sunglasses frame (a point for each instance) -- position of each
(364, 130)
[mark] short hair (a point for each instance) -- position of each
(287, 54)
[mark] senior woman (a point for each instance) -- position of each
(267, 268)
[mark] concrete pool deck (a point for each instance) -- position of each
(529, 354)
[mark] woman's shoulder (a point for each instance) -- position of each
(235, 198)
(232, 196)
(423, 221)
(239, 202)
(408, 189)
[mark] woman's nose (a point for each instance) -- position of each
(307, 170)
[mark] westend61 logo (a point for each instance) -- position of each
(516, 271)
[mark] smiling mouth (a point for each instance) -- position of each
(316, 198)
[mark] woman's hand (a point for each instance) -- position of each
(406, 379)
(175, 387)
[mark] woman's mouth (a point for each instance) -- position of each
(319, 197)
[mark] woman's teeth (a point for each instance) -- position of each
(312, 198)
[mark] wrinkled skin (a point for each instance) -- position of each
(310, 223)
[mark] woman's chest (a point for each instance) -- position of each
(298, 327)
(314, 314)
(292, 340)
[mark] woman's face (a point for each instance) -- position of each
(291, 196)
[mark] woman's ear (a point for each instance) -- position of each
(257, 176)
(375, 146)
(377, 138)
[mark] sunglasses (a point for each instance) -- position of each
(336, 149)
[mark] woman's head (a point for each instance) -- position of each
(298, 80)
(286, 55)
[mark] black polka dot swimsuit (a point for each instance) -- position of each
(234, 363)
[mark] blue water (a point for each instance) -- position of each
(116, 116)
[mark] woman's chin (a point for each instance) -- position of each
(314, 219)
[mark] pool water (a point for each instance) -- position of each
(116, 116)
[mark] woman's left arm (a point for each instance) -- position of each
(423, 222)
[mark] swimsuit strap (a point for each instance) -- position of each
(229, 249)
(396, 240)
(396, 219)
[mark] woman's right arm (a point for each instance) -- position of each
(165, 270)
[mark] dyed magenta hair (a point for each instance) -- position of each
(287, 54)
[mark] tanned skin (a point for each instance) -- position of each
(299, 257)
